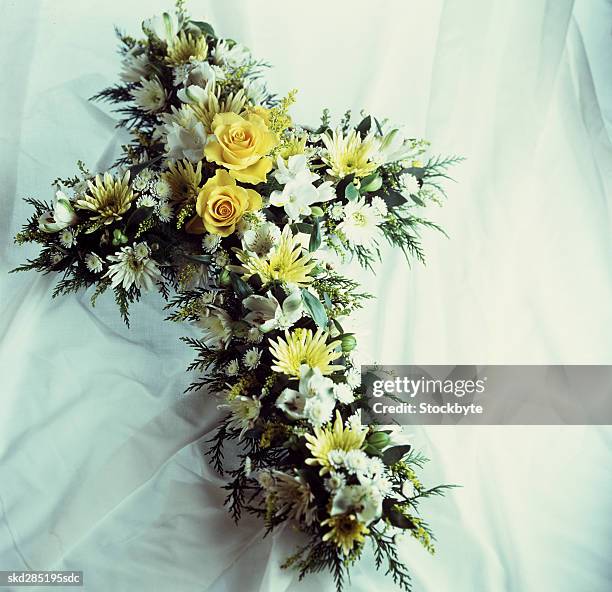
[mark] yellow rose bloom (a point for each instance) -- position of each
(241, 146)
(221, 204)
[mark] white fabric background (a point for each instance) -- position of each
(95, 470)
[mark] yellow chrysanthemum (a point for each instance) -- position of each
(301, 346)
(336, 437)
(345, 531)
(348, 155)
(184, 180)
(206, 109)
(286, 262)
(185, 48)
(109, 198)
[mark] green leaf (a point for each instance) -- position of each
(364, 126)
(395, 516)
(315, 236)
(205, 28)
(394, 199)
(417, 200)
(314, 308)
(302, 227)
(137, 168)
(395, 454)
(316, 211)
(351, 192)
(139, 216)
(371, 183)
(240, 286)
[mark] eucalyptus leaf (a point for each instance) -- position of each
(302, 227)
(315, 308)
(417, 200)
(394, 199)
(206, 28)
(240, 286)
(351, 192)
(364, 126)
(395, 516)
(395, 454)
(315, 236)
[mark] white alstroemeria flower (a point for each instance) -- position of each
(299, 192)
(392, 146)
(410, 184)
(165, 27)
(134, 66)
(313, 400)
(193, 94)
(199, 74)
(268, 314)
(61, 217)
(360, 223)
(150, 95)
(230, 54)
(183, 134)
(216, 325)
(261, 238)
(364, 500)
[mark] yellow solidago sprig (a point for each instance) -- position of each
(108, 198)
(302, 346)
(334, 437)
(287, 262)
(348, 155)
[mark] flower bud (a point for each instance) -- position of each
(379, 440)
(348, 342)
(224, 278)
(316, 211)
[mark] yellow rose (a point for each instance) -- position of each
(220, 205)
(241, 146)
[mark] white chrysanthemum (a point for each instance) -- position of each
(376, 466)
(378, 203)
(67, 238)
(162, 189)
(356, 461)
(146, 201)
(207, 297)
(134, 66)
(230, 54)
(344, 393)
(142, 179)
(216, 326)
(210, 242)
(319, 409)
(336, 212)
(150, 96)
(131, 266)
(252, 358)
(244, 412)
(335, 482)
(262, 239)
(93, 263)
(336, 457)
(354, 422)
(165, 211)
(221, 258)
(233, 368)
(353, 377)
(183, 134)
(254, 335)
(410, 184)
(291, 496)
(255, 90)
(360, 223)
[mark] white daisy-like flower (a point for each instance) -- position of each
(141, 180)
(230, 54)
(356, 461)
(261, 239)
(360, 223)
(162, 188)
(378, 203)
(344, 393)
(319, 409)
(67, 238)
(335, 482)
(354, 422)
(146, 201)
(221, 258)
(336, 457)
(165, 211)
(252, 358)
(131, 266)
(210, 242)
(336, 212)
(254, 335)
(56, 257)
(207, 297)
(353, 377)
(93, 263)
(150, 96)
(376, 466)
(410, 184)
(232, 368)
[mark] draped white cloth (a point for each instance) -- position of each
(97, 468)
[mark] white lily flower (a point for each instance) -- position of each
(165, 27)
(268, 314)
(61, 217)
